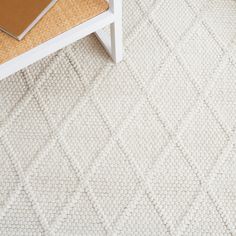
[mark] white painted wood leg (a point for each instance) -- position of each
(114, 43)
(116, 31)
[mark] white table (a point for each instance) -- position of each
(112, 43)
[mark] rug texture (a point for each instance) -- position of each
(145, 147)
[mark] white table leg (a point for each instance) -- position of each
(114, 44)
(116, 31)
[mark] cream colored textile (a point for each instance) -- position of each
(145, 147)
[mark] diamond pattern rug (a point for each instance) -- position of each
(145, 147)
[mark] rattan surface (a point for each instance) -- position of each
(62, 17)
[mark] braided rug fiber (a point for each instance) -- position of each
(145, 147)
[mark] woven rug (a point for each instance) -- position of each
(145, 147)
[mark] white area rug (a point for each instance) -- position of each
(146, 147)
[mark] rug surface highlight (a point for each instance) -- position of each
(145, 147)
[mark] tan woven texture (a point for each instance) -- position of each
(143, 148)
(62, 17)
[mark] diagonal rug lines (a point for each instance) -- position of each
(145, 147)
